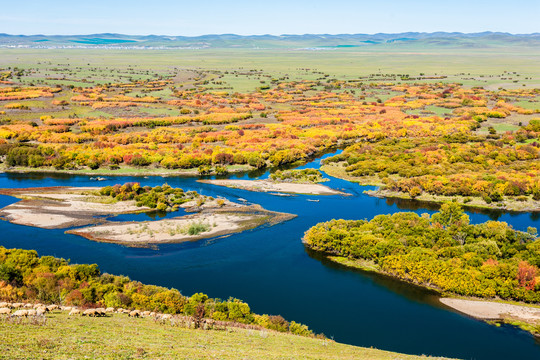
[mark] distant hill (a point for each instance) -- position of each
(454, 39)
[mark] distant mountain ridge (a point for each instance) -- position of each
(457, 39)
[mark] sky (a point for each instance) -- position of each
(252, 17)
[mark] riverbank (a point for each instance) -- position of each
(525, 316)
(122, 171)
(509, 204)
(275, 187)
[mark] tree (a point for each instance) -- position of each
(451, 214)
(526, 275)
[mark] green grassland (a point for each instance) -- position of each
(120, 337)
(246, 68)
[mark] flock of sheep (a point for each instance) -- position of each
(25, 310)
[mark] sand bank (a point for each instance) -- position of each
(490, 310)
(210, 223)
(277, 187)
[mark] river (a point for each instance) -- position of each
(270, 269)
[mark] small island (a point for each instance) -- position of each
(304, 182)
(212, 221)
(67, 207)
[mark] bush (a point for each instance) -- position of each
(196, 228)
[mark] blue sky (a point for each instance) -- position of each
(188, 18)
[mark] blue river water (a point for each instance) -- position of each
(270, 269)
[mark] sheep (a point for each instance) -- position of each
(65, 308)
(31, 312)
(41, 311)
(109, 310)
(145, 313)
(101, 312)
(38, 305)
(166, 317)
(52, 307)
(74, 311)
(153, 314)
(135, 313)
(4, 305)
(28, 305)
(20, 313)
(89, 312)
(5, 311)
(17, 305)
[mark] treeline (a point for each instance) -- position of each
(443, 251)
(24, 276)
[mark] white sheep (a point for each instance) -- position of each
(89, 312)
(74, 311)
(5, 311)
(20, 313)
(41, 311)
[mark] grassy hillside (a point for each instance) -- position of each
(120, 337)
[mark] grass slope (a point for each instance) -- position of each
(120, 337)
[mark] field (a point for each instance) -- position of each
(128, 338)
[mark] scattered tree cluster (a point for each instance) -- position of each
(162, 198)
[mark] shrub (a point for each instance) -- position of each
(196, 228)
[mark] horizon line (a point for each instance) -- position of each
(281, 35)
